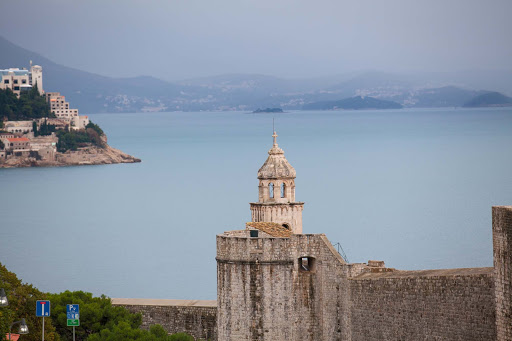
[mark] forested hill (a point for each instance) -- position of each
(353, 103)
(30, 105)
(490, 99)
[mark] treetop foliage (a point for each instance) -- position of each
(28, 106)
(99, 319)
(22, 304)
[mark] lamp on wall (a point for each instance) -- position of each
(3, 298)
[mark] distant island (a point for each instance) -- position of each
(489, 99)
(353, 103)
(267, 110)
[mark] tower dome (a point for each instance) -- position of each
(276, 166)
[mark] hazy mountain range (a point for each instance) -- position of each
(92, 93)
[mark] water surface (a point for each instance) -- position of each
(411, 187)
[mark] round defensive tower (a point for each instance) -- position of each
(276, 192)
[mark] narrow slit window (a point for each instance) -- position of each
(271, 190)
(283, 190)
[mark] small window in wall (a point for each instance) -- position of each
(6, 81)
(283, 190)
(306, 264)
(286, 226)
(271, 190)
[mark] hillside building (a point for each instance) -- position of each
(60, 108)
(20, 80)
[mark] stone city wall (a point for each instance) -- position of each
(456, 304)
(263, 294)
(197, 318)
(502, 245)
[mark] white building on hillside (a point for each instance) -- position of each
(60, 108)
(19, 80)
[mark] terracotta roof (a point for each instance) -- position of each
(18, 139)
(273, 229)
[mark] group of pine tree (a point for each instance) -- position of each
(31, 105)
(99, 319)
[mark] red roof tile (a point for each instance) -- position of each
(18, 139)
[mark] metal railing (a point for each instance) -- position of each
(340, 250)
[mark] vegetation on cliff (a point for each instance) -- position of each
(99, 319)
(74, 139)
(28, 106)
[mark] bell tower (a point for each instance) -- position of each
(276, 192)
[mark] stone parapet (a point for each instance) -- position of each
(502, 247)
(197, 318)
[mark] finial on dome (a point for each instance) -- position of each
(275, 138)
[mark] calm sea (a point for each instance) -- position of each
(411, 187)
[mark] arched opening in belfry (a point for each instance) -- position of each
(286, 226)
(271, 190)
(283, 190)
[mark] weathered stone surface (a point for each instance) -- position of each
(502, 245)
(453, 304)
(196, 318)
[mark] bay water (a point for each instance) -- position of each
(411, 187)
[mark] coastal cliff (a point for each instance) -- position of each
(89, 155)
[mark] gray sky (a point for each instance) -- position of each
(177, 39)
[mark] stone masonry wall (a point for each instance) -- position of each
(198, 321)
(502, 245)
(450, 305)
(263, 294)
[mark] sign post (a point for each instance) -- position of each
(73, 312)
(42, 310)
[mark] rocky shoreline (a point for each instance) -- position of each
(90, 155)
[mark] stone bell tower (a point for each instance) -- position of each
(276, 199)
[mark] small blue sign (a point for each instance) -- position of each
(42, 308)
(73, 311)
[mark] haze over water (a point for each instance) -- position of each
(411, 187)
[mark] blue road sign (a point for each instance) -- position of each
(73, 311)
(42, 308)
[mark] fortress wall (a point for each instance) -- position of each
(262, 294)
(197, 318)
(455, 304)
(502, 245)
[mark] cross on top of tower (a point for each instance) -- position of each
(275, 138)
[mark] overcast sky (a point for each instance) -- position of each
(177, 39)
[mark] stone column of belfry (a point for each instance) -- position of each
(280, 207)
(502, 247)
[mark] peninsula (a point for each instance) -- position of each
(39, 128)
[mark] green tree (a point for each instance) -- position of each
(2, 145)
(95, 127)
(28, 106)
(22, 304)
(96, 314)
(181, 337)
